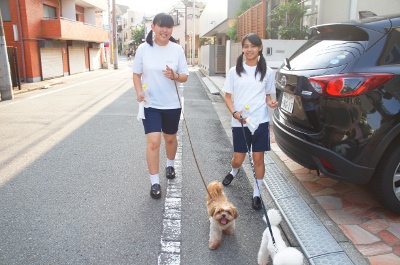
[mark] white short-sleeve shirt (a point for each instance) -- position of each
(249, 90)
(150, 61)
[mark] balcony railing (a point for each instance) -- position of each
(65, 29)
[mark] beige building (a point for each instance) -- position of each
(129, 21)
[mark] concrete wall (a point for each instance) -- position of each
(278, 51)
(342, 10)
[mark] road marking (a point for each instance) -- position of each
(171, 237)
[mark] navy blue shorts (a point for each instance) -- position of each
(161, 120)
(258, 142)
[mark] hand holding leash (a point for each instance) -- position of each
(169, 73)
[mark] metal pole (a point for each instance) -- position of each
(5, 76)
(115, 45)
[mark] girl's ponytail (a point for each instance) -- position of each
(239, 65)
(172, 39)
(261, 66)
(149, 38)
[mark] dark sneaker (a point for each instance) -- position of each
(155, 191)
(256, 203)
(170, 172)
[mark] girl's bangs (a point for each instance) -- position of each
(165, 21)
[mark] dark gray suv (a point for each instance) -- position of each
(339, 107)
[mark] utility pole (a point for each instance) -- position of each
(194, 33)
(186, 3)
(5, 77)
(115, 45)
(110, 32)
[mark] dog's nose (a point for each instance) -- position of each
(224, 215)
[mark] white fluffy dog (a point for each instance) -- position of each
(284, 255)
(221, 212)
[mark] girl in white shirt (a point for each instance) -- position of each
(250, 84)
(157, 64)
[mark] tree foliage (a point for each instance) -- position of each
(244, 6)
(287, 19)
(232, 32)
(137, 35)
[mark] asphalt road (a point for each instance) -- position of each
(74, 185)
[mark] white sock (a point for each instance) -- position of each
(257, 187)
(170, 163)
(234, 171)
(154, 179)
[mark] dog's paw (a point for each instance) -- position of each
(214, 244)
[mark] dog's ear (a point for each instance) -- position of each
(211, 210)
(235, 212)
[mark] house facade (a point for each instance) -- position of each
(186, 29)
(220, 16)
(55, 38)
(130, 20)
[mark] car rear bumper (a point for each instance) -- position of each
(308, 155)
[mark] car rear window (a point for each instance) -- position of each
(330, 46)
(391, 52)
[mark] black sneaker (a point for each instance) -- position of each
(155, 191)
(170, 172)
(256, 203)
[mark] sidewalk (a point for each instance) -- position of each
(373, 231)
(27, 87)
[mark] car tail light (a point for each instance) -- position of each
(345, 85)
(328, 166)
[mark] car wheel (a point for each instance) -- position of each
(385, 183)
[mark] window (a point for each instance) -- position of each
(5, 10)
(391, 52)
(49, 12)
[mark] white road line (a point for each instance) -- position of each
(171, 237)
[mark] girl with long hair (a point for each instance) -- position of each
(248, 88)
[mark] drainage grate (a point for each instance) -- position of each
(317, 243)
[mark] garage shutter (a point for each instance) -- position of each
(52, 64)
(94, 54)
(76, 57)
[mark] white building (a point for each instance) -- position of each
(219, 16)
